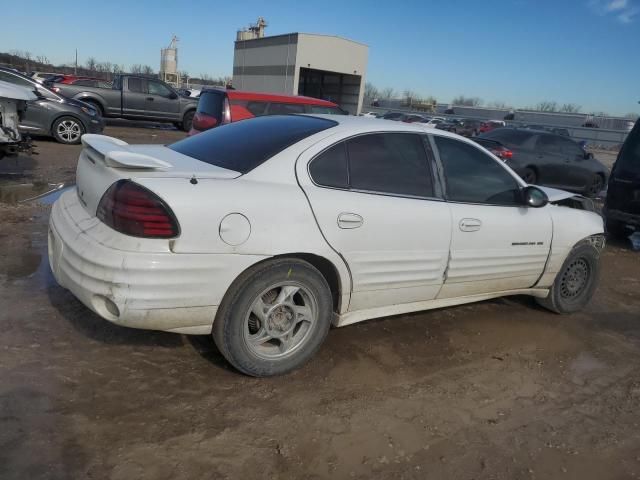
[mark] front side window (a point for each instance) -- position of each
(548, 143)
(472, 176)
(570, 148)
(157, 88)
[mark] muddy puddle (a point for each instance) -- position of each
(41, 192)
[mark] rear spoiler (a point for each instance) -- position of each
(115, 153)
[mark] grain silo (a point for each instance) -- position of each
(169, 63)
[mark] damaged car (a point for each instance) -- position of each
(317, 221)
(13, 104)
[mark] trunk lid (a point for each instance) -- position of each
(105, 160)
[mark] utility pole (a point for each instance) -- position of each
(75, 70)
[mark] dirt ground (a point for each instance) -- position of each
(497, 390)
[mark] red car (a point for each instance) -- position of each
(218, 107)
(74, 80)
(490, 125)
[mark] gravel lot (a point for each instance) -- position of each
(496, 390)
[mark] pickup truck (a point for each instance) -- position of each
(135, 97)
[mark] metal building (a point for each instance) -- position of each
(320, 66)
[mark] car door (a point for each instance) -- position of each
(552, 162)
(134, 97)
(497, 244)
(162, 102)
(375, 202)
(576, 167)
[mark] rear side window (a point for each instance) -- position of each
(210, 103)
(330, 168)
(508, 137)
(472, 176)
(137, 85)
(389, 163)
(628, 162)
(319, 110)
(242, 146)
(257, 108)
(285, 108)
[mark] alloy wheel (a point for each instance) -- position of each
(69, 131)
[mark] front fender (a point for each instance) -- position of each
(570, 227)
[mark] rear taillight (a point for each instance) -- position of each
(202, 121)
(131, 209)
(503, 153)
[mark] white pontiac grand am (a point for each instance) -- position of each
(265, 232)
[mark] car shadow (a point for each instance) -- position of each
(92, 326)
(207, 349)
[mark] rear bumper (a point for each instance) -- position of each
(155, 290)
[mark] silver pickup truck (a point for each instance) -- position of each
(136, 98)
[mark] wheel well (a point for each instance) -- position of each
(93, 101)
(191, 110)
(328, 271)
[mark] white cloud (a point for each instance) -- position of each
(616, 5)
(622, 10)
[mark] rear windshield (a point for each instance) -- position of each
(629, 159)
(508, 136)
(210, 103)
(242, 146)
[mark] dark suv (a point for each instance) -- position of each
(622, 207)
(544, 158)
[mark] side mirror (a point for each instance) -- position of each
(588, 155)
(534, 197)
(173, 95)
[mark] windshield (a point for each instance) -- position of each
(628, 162)
(228, 146)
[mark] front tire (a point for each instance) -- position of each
(67, 130)
(274, 318)
(616, 229)
(187, 120)
(576, 281)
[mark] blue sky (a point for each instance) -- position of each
(516, 51)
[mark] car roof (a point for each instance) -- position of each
(271, 97)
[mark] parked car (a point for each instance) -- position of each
(137, 98)
(590, 124)
(622, 205)
(468, 127)
(543, 158)
(189, 92)
(52, 114)
(41, 76)
(491, 125)
(13, 103)
(434, 122)
(73, 80)
(370, 114)
(397, 116)
(316, 220)
(218, 107)
(415, 118)
(448, 125)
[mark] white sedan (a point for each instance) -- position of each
(267, 231)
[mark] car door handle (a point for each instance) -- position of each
(150, 98)
(470, 224)
(350, 220)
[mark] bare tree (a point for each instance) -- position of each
(184, 75)
(498, 104)
(370, 90)
(547, 106)
(463, 101)
(91, 64)
(42, 59)
(147, 70)
(388, 92)
(570, 108)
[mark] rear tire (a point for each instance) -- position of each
(530, 176)
(187, 120)
(274, 317)
(576, 281)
